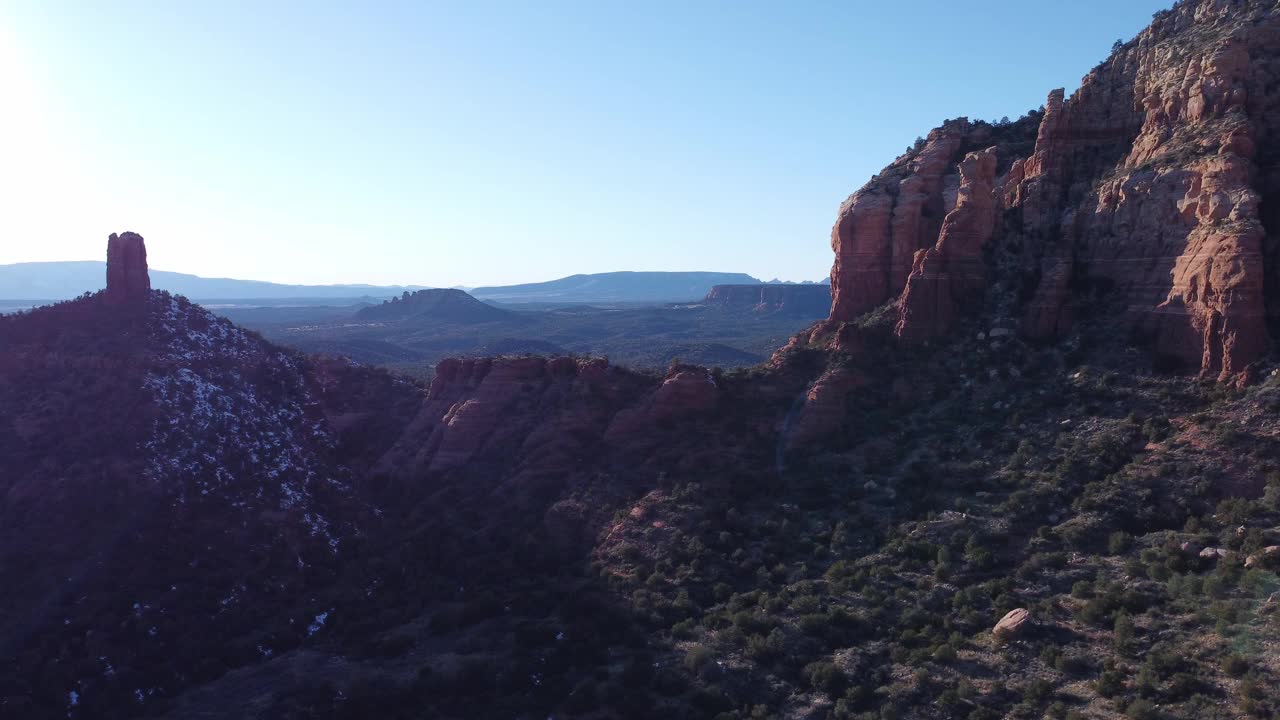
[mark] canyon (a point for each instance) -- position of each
(1023, 463)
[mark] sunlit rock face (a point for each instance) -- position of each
(1158, 179)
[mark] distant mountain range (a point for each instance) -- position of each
(40, 282)
(63, 280)
(616, 287)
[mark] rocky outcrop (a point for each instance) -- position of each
(1265, 557)
(685, 391)
(880, 227)
(489, 410)
(824, 409)
(945, 277)
(1154, 182)
(127, 278)
(479, 406)
(524, 429)
(1213, 553)
(791, 300)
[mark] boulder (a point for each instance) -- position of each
(1013, 624)
(1264, 557)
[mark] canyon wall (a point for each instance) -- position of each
(1154, 181)
(799, 300)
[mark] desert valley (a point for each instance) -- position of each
(1019, 459)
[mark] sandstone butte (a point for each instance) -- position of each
(127, 277)
(1158, 180)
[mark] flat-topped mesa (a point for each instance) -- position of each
(797, 300)
(127, 278)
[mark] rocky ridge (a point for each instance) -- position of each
(138, 425)
(832, 534)
(1155, 181)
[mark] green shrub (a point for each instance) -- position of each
(1119, 542)
(1235, 666)
(1110, 683)
(698, 657)
(766, 647)
(1123, 630)
(825, 676)
(1141, 709)
(1037, 691)
(1072, 664)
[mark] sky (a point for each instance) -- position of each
(482, 143)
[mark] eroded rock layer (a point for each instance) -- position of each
(1153, 180)
(799, 300)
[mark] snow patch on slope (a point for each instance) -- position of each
(237, 423)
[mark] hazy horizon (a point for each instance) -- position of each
(492, 144)
(153, 269)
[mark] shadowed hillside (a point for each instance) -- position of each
(1028, 467)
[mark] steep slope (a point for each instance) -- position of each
(175, 496)
(1147, 184)
(988, 524)
(566, 538)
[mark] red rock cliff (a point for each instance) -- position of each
(1156, 179)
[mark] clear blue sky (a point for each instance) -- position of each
(483, 143)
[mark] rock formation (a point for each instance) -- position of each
(440, 304)
(824, 411)
(127, 278)
(1156, 181)
(1264, 557)
(946, 275)
(486, 409)
(797, 300)
(686, 391)
(1013, 624)
(880, 227)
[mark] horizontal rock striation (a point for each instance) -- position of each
(792, 300)
(1156, 180)
(943, 276)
